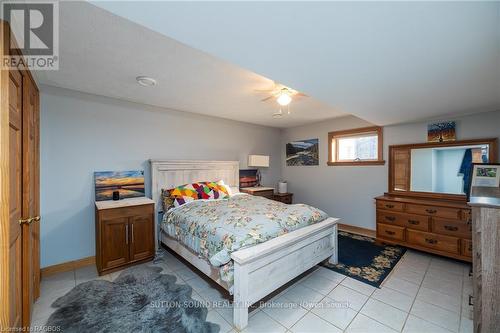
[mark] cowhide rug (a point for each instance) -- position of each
(140, 299)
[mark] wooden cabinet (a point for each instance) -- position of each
(486, 264)
(437, 226)
(286, 198)
(124, 233)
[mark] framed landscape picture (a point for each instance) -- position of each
(485, 175)
(130, 184)
(304, 152)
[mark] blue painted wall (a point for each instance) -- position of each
(83, 133)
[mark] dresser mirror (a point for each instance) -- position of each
(438, 169)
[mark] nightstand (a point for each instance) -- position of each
(283, 197)
(124, 232)
(261, 191)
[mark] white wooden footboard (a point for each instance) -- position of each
(261, 269)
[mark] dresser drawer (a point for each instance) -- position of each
(451, 227)
(446, 212)
(434, 241)
(390, 231)
(388, 217)
(417, 222)
(467, 247)
(390, 205)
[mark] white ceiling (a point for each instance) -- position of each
(386, 62)
(101, 53)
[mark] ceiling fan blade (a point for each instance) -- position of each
(267, 98)
(300, 95)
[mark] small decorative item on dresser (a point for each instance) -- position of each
(116, 195)
(282, 187)
(283, 197)
(124, 233)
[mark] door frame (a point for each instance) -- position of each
(4, 184)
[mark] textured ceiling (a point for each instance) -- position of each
(102, 53)
(386, 62)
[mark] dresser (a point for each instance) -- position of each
(124, 232)
(437, 226)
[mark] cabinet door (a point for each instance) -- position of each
(114, 242)
(142, 237)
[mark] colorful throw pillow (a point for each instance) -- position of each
(215, 190)
(166, 200)
(184, 193)
(179, 195)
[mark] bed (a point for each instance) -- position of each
(259, 269)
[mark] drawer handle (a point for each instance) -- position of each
(470, 300)
(390, 218)
(431, 211)
(414, 222)
(431, 241)
(390, 232)
(450, 228)
(389, 206)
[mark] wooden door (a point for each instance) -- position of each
(30, 174)
(15, 91)
(141, 235)
(114, 242)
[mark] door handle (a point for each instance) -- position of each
(29, 220)
(25, 221)
(132, 236)
(126, 234)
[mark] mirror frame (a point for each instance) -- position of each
(492, 158)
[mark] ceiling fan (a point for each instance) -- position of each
(283, 96)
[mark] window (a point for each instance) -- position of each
(361, 146)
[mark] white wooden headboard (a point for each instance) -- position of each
(166, 174)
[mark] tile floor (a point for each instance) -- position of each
(424, 293)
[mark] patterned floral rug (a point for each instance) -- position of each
(363, 260)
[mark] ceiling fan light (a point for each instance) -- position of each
(284, 99)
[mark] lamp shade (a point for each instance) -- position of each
(259, 161)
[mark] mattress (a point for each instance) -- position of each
(214, 229)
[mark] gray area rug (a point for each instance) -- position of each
(140, 299)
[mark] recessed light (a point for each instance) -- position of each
(146, 81)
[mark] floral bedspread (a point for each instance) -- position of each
(215, 228)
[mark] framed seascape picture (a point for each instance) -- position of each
(130, 184)
(440, 132)
(304, 152)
